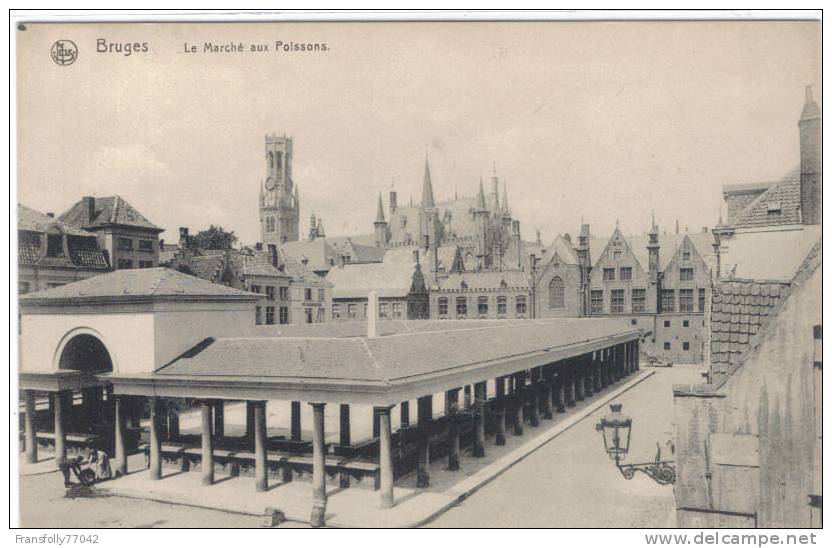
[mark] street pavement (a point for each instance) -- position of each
(570, 482)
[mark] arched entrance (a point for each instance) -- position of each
(85, 352)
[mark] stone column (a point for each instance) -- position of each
(385, 456)
(155, 441)
(479, 419)
(570, 394)
(261, 475)
(637, 357)
(173, 422)
(500, 412)
(405, 414)
(318, 518)
(344, 425)
(296, 435)
(451, 408)
(534, 395)
(376, 425)
(60, 425)
(424, 410)
(250, 405)
(121, 446)
(596, 372)
(519, 401)
(586, 363)
(31, 439)
(560, 390)
(546, 394)
(219, 421)
(578, 376)
(207, 443)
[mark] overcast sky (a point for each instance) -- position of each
(601, 120)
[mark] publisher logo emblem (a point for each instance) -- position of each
(64, 52)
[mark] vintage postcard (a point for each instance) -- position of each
(296, 271)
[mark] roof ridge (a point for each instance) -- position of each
(375, 362)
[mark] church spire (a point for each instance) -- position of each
(380, 213)
(427, 188)
(481, 197)
(505, 197)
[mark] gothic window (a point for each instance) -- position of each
(556, 299)
(501, 305)
(482, 305)
(280, 164)
(271, 160)
(701, 300)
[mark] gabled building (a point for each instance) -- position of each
(130, 240)
(399, 282)
(483, 295)
(51, 253)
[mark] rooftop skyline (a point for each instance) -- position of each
(605, 121)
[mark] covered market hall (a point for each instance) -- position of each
(157, 343)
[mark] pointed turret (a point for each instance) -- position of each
(811, 171)
(427, 187)
(380, 212)
(381, 233)
(481, 197)
(505, 198)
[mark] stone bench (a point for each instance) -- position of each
(284, 467)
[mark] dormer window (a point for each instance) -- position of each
(773, 207)
(54, 245)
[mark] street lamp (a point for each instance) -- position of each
(615, 428)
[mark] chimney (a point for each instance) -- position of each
(89, 208)
(162, 243)
(416, 256)
(532, 263)
(183, 238)
(258, 246)
(811, 171)
(372, 315)
(273, 254)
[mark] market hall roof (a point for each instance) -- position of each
(135, 284)
(380, 370)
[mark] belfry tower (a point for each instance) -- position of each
(279, 202)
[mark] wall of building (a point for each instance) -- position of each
(749, 447)
(108, 240)
(387, 308)
(38, 278)
(320, 307)
(472, 299)
(128, 337)
(571, 277)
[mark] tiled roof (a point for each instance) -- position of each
(486, 280)
(108, 210)
(318, 253)
(742, 310)
(138, 283)
(294, 267)
(33, 221)
(84, 252)
(207, 267)
(387, 359)
(563, 248)
(738, 310)
(258, 263)
(779, 205)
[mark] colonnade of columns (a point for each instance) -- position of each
(521, 398)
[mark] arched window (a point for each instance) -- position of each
(279, 162)
(556, 293)
(271, 159)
